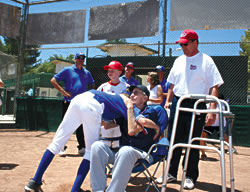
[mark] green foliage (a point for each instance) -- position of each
(244, 45)
(11, 46)
(48, 67)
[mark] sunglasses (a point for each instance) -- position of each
(81, 58)
(186, 44)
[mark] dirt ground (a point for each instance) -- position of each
(21, 151)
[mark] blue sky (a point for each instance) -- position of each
(172, 36)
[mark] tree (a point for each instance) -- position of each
(245, 45)
(11, 46)
(48, 67)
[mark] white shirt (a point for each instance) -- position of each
(194, 75)
(153, 94)
(108, 87)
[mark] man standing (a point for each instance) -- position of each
(76, 80)
(127, 77)
(192, 73)
(163, 82)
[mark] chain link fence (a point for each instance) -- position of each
(7, 101)
(145, 52)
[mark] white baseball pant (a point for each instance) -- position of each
(85, 110)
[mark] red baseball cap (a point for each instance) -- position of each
(187, 35)
(113, 65)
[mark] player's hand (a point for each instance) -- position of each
(66, 94)
(167, 105)
(130, 104)
(210, 119)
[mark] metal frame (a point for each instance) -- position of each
(36, 2)
(222, 113)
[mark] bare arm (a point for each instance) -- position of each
(109, 125)
(159, 98)
(210, 118)
(170, 96)
(59, 88)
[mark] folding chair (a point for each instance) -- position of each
(159, 153)
(226, 113)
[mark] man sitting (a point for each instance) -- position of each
(139, 139)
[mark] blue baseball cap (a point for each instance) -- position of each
(80, 56)
(160, 68)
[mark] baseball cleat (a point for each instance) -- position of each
(32, 186)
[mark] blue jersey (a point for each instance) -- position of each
(165, 86)
(162, 120)
(131, 81)
(114, 107)
(75, 81)
(157, 114)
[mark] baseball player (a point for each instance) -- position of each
(88, 109)
(114, 85)
(77, 80)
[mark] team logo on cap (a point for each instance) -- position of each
(183, 34)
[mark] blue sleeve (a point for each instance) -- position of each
(91, 81)
(61, 75)
(137, 113)
(162, 117)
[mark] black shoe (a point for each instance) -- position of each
(81, 190)
(32, 186)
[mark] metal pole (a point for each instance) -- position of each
(20, 63)
(164, 28)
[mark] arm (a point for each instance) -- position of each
(134, 127)
(210, 118)
(165, 94)
(159, 96)
(92, 86)
(1, 83)
(170, 96)
(109, 124)
(59, 88)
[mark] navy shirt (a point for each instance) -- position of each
(114, 107)
(165, 86)
(75, 81)
(131, 81)
(144, 140)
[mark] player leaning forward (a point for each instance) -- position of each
(87, 109)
